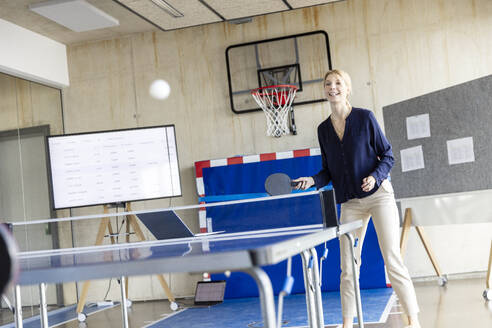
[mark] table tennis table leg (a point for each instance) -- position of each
(124, 310)
(43, 308)
(356, 281)
(18, 307)
(308, 284)
(266, 296)
(317, 289)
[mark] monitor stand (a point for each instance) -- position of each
(131, 220)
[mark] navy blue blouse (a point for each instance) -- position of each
(363, 151)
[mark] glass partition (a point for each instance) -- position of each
(28, 113)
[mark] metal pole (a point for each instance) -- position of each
(43, 309)
(317, 289)
(124, 311)
(18, 307)
(308, 285)
(356, 281)
(266, 296)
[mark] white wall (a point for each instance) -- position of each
(32, 56)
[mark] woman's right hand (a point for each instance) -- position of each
(304, 183)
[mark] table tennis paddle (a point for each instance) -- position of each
(8, 261)
(279, 184)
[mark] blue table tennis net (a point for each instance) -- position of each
(250, 178)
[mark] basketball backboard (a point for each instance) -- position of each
(300, 60)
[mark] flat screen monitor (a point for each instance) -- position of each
(113, 166)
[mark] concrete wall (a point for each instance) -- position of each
(394, 50)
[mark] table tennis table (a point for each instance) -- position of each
(242, 251)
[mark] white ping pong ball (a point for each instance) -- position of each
(227, 273)
(159, 89)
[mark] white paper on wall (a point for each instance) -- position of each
(460, 150)
(412, 159)
(418, 126)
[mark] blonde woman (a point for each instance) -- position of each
(357, 158)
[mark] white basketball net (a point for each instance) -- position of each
(276, 102)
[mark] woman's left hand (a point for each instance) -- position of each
(368, 183)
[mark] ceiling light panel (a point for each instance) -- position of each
(194, 13)
(308, 3)
(164, 5)
(232, 9)
(77, 15)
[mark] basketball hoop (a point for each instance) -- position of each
(276, 103)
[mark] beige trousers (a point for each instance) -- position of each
(382, 207)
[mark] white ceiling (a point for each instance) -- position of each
(143, 15)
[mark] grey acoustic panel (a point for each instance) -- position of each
(464, 110)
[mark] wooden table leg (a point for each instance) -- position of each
(166, 288)
(407, 223)
(430, 253)
(489, 275)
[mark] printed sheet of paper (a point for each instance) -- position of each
(412, 159)
(460, 151)
(418, 126)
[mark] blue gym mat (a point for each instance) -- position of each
(245, 312)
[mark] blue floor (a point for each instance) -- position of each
(245, 312)
(59, 316)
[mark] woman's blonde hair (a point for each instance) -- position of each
(346, 78)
